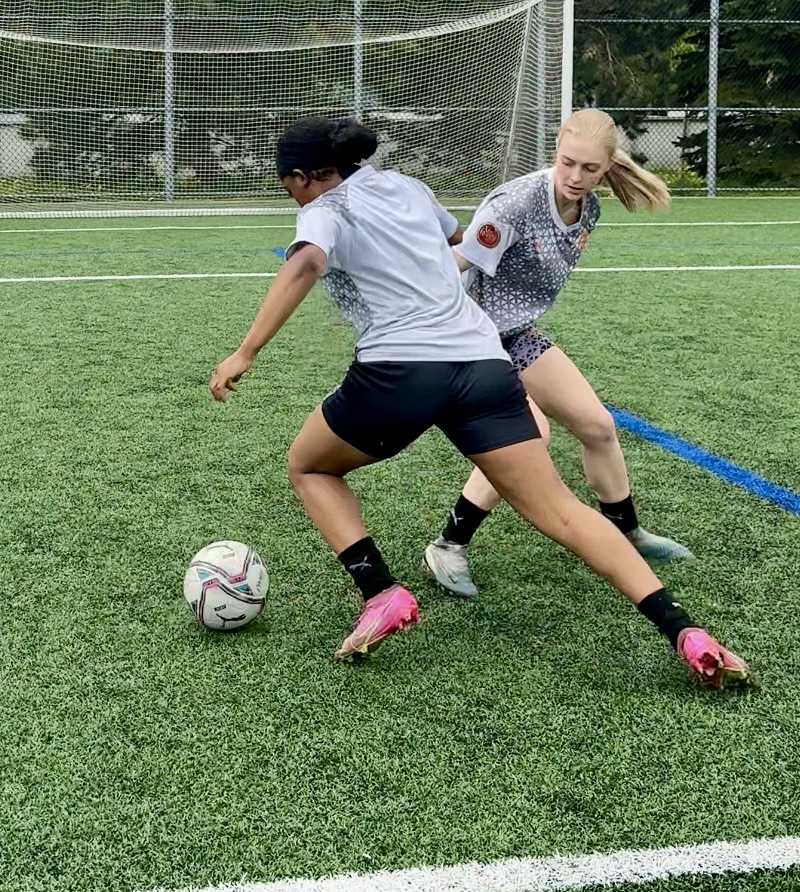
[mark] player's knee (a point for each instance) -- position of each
(597, 429)
(296, 467)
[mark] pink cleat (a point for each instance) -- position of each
(392, 610)
(713, 664)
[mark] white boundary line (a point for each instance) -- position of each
(178, 228)
(586, 269)
(709, 223)
(149, 228)
(135, 277)
(554, 872)
(681, 269)
(245, 211)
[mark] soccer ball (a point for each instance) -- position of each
(226, 585)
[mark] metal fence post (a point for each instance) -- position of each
(358, 59)
(713, 88)
(169, 100)
(567, 59)
(510, 165)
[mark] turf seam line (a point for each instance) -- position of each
(709, 461)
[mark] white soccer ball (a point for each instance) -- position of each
(226, 585)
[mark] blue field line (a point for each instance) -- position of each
(727, 470)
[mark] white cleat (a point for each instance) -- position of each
(446, 562)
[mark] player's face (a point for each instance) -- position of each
(580, 165)
(297, 186)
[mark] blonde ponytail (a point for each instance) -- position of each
(633, 185)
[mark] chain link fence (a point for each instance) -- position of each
(708, 93)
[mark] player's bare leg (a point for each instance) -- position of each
(525, 476)
(318, 461)
(564, 394)
(445, 559)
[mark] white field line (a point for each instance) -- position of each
(586, 269)
(135, 278)
(291, 225)
(554, 872)
(150, 228)
(682, 269)
(710, 223)
(122, 213)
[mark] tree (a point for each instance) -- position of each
(759, 68)
(623, 64)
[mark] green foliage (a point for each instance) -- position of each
(624, 64)
(759, 68)
(658, 65)
(682, 178)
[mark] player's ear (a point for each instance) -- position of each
(302, 178)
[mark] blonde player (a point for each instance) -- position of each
(523, 242)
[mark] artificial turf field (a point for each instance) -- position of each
(137, 751)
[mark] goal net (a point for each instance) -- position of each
(113, 106)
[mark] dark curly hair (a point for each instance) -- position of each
(320, 146)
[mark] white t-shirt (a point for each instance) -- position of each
(391, 271)
(521, 250)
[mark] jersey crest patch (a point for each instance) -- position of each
(583, 239)
(489, 235)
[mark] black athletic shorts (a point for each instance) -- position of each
(382, 407)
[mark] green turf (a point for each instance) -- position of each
(138, 751)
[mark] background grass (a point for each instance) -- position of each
(138, 751)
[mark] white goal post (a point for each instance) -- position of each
(175, 106)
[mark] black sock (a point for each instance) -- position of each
(666, 615)
(463, 521)
(364, 563)
(621, 514)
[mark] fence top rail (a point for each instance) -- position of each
(779, 109)
(421, 110)
(722, 21)
(311, 109)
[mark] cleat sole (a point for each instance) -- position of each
(737, 678)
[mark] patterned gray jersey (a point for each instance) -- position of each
(521, 250)
(391, 272)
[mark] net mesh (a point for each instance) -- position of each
(115, 104)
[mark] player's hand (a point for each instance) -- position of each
(226, 374)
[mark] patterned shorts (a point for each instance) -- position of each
(525, 347)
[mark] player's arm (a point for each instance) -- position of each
(451, 228)
(291, 285)
(306, 260)
(461, 261)
(457, 237)
(485, 241)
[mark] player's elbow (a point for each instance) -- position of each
(309, 260)
(457, 237)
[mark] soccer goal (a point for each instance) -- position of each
(174, 107)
